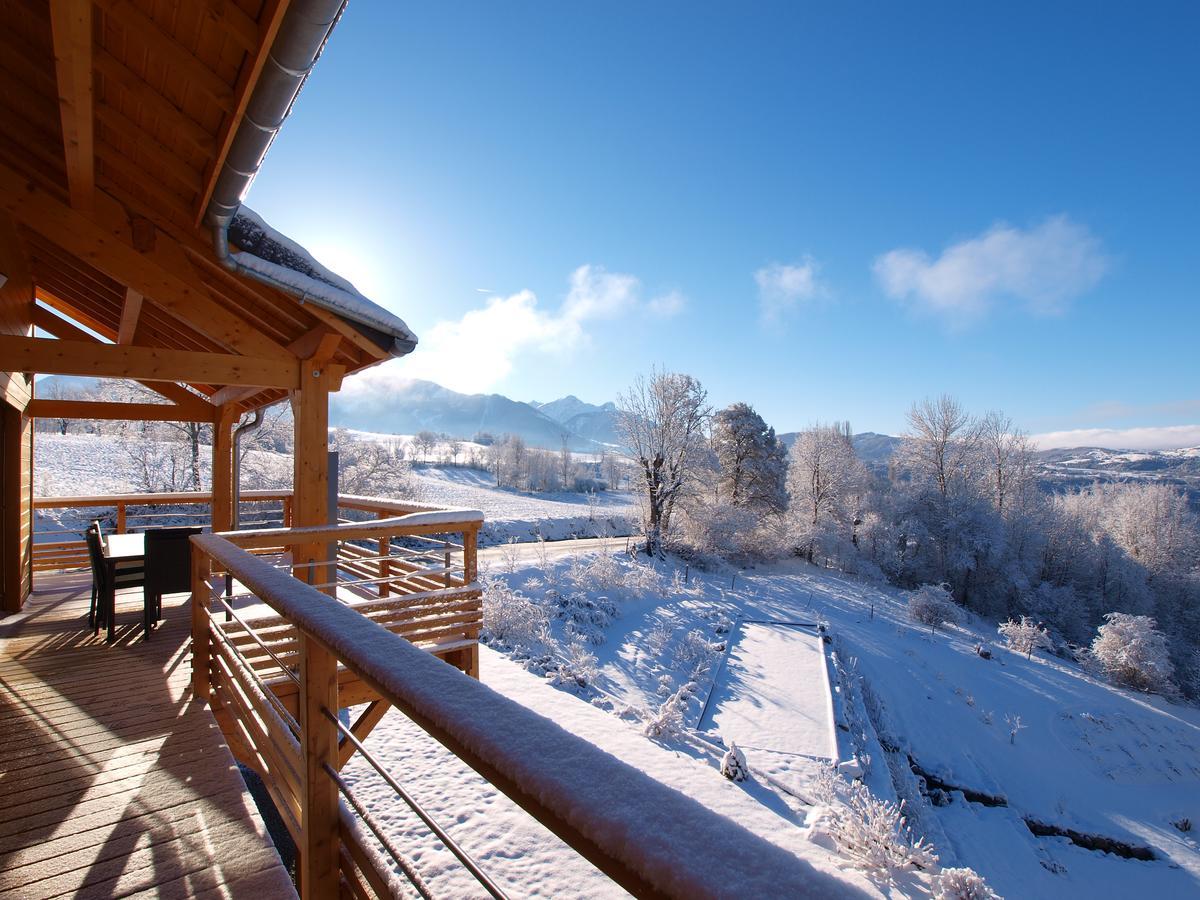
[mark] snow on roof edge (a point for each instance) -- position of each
(271, 253)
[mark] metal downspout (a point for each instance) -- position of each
(244, 428)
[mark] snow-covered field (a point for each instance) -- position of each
(83, 464)
(513, 514)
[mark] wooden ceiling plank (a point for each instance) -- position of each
(168, 50)
(95, 360)
(231, 20)
(59, 327)
(71, 25)
(129, 316)
(165, 159)
(101, 240)
(252, 66)
(179, 121)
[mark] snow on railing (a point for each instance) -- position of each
(650, 839)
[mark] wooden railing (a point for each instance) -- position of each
(64, 549)
(291, 627)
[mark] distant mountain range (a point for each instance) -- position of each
(416, 405)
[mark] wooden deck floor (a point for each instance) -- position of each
(113, 782)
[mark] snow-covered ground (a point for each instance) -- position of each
(1117, 769)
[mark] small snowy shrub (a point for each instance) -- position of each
(1132, 652)
(733, 764)
(868, 830)
(667, 721)
(695, 650)
(961, 884)
(1025, 636)
(585, 617)
(932, 605)
(1015, 725)
(578, 668)
(512, 619)
(666, 686)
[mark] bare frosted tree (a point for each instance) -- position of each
(424, 443)
(566, 465)
(662, 419)
(1006, 459)
(825, 478)
(941, 440)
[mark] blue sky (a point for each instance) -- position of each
(828, 212)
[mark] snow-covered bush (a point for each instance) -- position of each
(667, 721)
(585, 616)
(512, 619)
(695, 650)
(1133, 652)
(733, 764)
(961, 884)
(872, 832)
(1025, 636)
(932, 605)
(579, 667)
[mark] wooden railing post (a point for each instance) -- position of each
(120, 517)
(319, 804)
(287, 512)
(446, 557)
(470, 559)
(200, 649)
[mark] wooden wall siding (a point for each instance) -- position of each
(16, 508)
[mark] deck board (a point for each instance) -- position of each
(113, 781)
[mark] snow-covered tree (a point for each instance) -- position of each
(825, 484)
(733, 763)
(941, 441)
(1025, 636)
(662, 420)
(750, 458)
(1133, 652)
(932, 605)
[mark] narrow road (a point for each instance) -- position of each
(529, 550)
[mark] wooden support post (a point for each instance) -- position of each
(287, 512)
(446, 559)
(310, 503)
(200, 650)
(319, 801)
(222, 470)
(120, 517)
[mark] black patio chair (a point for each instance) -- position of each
(168, 567)
(107, 579)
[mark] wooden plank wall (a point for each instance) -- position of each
(16, 508)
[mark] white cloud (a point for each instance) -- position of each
(477, 351)
(1167, 437)
(781, 286)
(1044, 268)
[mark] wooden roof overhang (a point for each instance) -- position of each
(115, 119)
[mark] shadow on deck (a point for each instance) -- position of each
(113, 781)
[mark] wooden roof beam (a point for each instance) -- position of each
(103, 240)
(124, 412)
(71, 25)
(95, 360)
(129, 316)
(64, 330)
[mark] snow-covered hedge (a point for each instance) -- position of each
(1025, 636)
